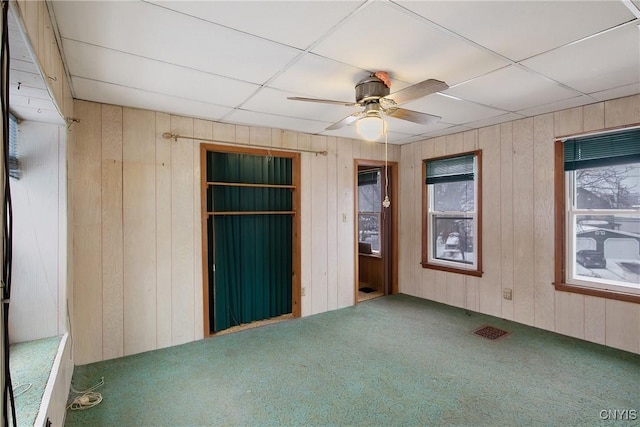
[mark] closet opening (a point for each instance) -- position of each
(251, 236)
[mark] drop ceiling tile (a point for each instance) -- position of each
(406, 127)
(598, 63)
(274, 101)
(172, 37)
(318, 77)
(446, 131)
(91, 90)
(294, 23)
(397, 130)
(351, 132)
(409, 139)
(456, 111)
(137, 62)
(393, 138)
(511, 89)
(555, 106)
(617, 92)
(383, 37)
(521, 29)
(494, 120)
(253, 118)
(110, 66)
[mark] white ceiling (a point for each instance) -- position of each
(238, 61)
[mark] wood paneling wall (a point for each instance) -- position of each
(518, 227)
(371, 272)
(137, 227)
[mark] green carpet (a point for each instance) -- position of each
(30, 363)
(396, 360)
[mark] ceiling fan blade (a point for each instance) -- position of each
(323, 101)
(346, 121)
(412, 116)
(417, 90)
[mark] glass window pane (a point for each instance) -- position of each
(608, 187)
(369, 196)
(453, 239)
(453, 196)
(369, 230)
(608, 247)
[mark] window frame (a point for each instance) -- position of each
(374, 253)
(427, 238)
(563, 241)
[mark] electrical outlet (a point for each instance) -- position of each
(344, 217)
(507, 293)
(304, 291)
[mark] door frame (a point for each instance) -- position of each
(296, 256)
(390, 288)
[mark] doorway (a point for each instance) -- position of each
(250, 236)
(376, 229)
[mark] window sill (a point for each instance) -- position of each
(476, 273)
(619, 296)
(378, 255)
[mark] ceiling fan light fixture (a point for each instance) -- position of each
(372, 126)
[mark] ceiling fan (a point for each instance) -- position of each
(373, 93)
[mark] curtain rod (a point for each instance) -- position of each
(175, 137)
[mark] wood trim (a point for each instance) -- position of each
(477, 273)
(449, 156)
(248, 150)
(296, 280)
(204, 232)
(559, 213)
(395, 214)
(425, 207)
(370, 255)
(619, 296)
(596, 132)
(233, 144)
(296, 292)
(355, 251)
(244, 184)
(479, 215)
(425, 223)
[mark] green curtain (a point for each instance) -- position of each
(252, 254)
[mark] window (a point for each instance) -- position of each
(602, 212)
(14, 163)
(369, 207)
(451, 228)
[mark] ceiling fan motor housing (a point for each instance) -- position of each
(369, 89)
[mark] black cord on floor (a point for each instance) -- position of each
(8, 397)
